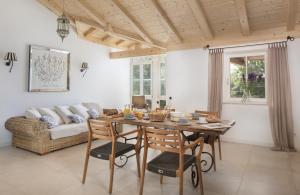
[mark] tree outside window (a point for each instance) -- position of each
(247, 77)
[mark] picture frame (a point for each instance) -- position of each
(49, 69)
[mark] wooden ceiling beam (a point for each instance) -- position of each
(83, 4)
(166, 20)
(243, 17)
(132, 46)
(105, 38)
(89, 32)
(106, 43)
(119, 42)
(201, 18)
(96, 39)
(136, 52)
(120, 33)
(135, 24)
(291, 15)
(112, 31)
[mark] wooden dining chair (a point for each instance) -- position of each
(104, 130)
(210, 139)
(139, 102)
(173, 160)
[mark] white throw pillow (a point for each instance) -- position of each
(33, 114)
(64, 112)
(80, 110)
(52, 113)
(92, 105)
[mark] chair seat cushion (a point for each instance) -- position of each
(168, 162)
(103, 152)
(195, 136)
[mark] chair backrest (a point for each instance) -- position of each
(163, 140)
(101, 129)
(206, 113)
(139, 101)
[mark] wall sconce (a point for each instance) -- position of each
(84, 68)
(10, 58)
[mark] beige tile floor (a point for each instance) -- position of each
(244, 170)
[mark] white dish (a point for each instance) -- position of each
(184, 124)
(131, 118)
(215, 126)
(201, 123)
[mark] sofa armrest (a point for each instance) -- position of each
(29, 127)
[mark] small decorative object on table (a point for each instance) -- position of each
(157, 116)
(212, 119)
(128, 114)
(176, 116)
(184, 122)
(139, 114)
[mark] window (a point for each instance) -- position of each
(148, 77)
(162, 85)
(245, 77)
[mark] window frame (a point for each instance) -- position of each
(141, 62)
(159, 95)
(227, 81)
(154, 62)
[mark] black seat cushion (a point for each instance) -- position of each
(103, 152)
(168, 162)
(195, 136)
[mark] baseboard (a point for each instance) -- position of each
(241, 141)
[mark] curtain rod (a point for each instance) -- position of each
(288, 38)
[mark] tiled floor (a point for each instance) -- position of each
(244, 170)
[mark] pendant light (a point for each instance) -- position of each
(63, 25)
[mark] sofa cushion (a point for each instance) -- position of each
(33, 114)
(52, 113)
(64, 112)
(51, 122)
(93, 113)
(93, 105)
(67, 130)
(75, 118)
(80, 110)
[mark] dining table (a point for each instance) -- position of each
(193, 127)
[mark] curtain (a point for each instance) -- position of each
(279, 97)
(215, 81)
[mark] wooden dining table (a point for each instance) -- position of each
(168, 124)
(193, 127)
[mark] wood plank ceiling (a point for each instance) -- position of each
(145, 27)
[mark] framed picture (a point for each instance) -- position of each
(48, 69)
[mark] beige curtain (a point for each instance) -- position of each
(279, 97)
(215, 80)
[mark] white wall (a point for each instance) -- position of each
(27, 22)
(187, 83)
(187, 76)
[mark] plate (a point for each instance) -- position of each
(131, 118)
(184, 124)
(201, 123)
(216, 126)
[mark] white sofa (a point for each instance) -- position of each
(34, 135)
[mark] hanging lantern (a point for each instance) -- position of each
(63, 26)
